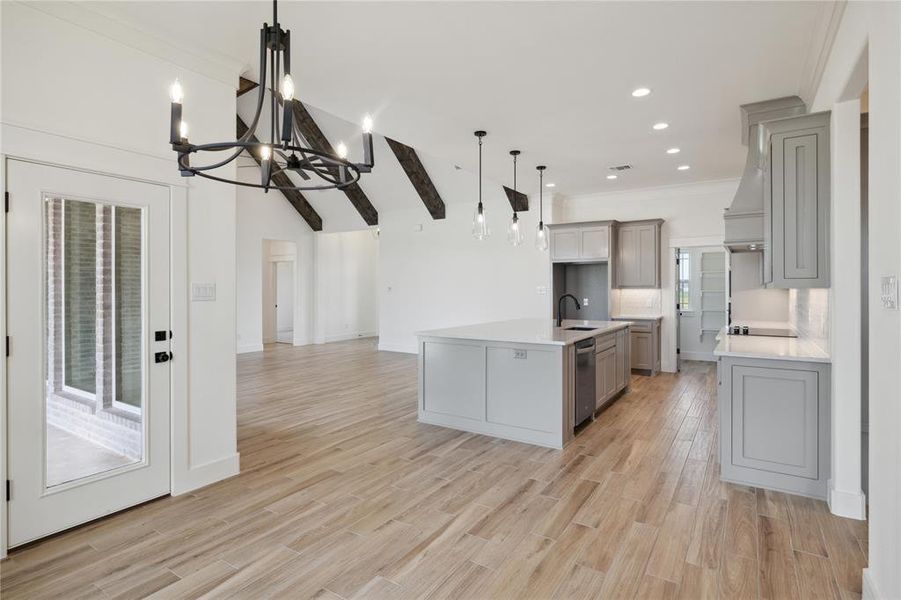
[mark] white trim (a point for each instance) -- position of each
(692, 242)
(202, 62)
(703, 356)
(852, 505)
(350, 336)
(208, 473)
(820, 47)
(394, 347)
(711, 186)
(247, 348)
(870, 589)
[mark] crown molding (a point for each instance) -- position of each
(821, 40)
(203, 62)
(696, 188)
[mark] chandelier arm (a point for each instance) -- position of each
(341, 186)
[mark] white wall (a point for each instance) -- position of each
(346, 285)
(693, 215)
(263, 217)
(750, 301)
(874, 28)
(434, 274)
(88, 101)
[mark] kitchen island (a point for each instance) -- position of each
(517, 379)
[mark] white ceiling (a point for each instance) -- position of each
(553, 79)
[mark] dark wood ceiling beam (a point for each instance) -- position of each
(294, 197)
(413, 167)
(246, 85)
(518, 201)
(310, 131)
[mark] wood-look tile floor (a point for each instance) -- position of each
(343, 494)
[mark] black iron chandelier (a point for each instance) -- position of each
(284, 152)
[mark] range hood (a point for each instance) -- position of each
(744, 219)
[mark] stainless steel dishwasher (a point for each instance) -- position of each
(585, 380)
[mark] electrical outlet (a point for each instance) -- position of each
(584, 301)
(541, 290)
(520, 354)
(889, 292)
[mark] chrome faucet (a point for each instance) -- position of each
(560, 307)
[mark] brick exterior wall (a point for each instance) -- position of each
(94, 327)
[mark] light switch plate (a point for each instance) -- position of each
(890, 292)
(203, 292)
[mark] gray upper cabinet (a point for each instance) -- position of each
(585, 242)
(638, 254)
(796, 202)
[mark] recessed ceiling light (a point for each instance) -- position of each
(611, 176)
(659, 126)
(672, 151)
(550, 185)
(683, 167)
(641, 92)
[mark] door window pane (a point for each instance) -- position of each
(80, 294)
(95, 338)
(127, 277)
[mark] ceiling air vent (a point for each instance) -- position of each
(618, 168)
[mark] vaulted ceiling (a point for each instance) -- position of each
(553, 79)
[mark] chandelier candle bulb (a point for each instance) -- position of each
(176, 95)
(341, 149)
(183, 131)
(265, 166)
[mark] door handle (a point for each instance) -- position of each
(161, 357)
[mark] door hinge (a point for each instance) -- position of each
(6, 201)
(8, 488)
(678, 351)
(7, 346)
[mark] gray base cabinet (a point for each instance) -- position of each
(644, 345)
(774, 424)
(611, 365)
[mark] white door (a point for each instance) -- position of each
(284, 302)
(88, 320)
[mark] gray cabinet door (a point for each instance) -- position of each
(775, 415)
(565, 244)
(595, 242)
(642, 351)
(798, 204)
(638, 255)
(600, 386)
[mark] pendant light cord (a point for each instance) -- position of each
(480, 171)
(541, 197)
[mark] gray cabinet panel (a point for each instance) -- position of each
(774, 423)
(565, 244)
(595, 242)
(774, 420)
(518, 388)
(446, 392)
(638, 254)
(796, 205)
(621, 362)
(642, 355)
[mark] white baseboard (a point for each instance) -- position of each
(395, 347)
(343, 337)
(704, 356)
(870, 589)
(206, 474)
(852, 505)
(245, 348)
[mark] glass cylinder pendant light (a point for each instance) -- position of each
(514, 231)
(541, 241)
(480, 229)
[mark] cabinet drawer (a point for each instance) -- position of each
(642, 326)
(603, 342)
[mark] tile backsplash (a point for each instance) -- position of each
(808, 312)
(638, 302)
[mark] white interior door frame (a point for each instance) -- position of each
(272, 261)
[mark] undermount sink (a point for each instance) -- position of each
(579, 328)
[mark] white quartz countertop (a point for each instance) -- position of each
(776, 348)
(637, 317)
(527, 331)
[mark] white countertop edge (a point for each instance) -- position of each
(770, 348)
(540, 332)
(636, 317)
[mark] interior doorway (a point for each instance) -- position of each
(700, 300)
(280, 297)
(283, 278)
